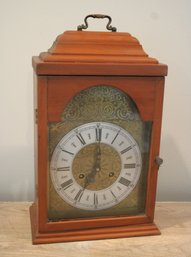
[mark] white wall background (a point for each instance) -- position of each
(28, 27)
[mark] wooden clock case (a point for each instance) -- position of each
(77, 60)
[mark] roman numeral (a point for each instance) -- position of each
(124, 181)
(114, 196)
(129, 165)
(95, 200)
(79, 136)
(67, 184)
(79, 195)
(115, 137)
(126, 149)
(98, 134)
(63, 169)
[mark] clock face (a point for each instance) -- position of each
(95, 166)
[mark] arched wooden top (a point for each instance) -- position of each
(97, 53)
(82, 46)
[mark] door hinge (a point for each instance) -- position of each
(36, 116)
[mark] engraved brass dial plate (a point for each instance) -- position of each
(79, 197)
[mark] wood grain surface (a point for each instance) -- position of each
(173, 219)
(53, 94)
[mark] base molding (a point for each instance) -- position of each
(146, 229)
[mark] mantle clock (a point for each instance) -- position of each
(98, 106)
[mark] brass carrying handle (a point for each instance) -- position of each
(97, 16)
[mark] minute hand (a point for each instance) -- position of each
(96, 167)
(98, 158)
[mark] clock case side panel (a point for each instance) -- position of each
(155, 148)
(39, 208)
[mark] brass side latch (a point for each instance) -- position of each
(159, 161)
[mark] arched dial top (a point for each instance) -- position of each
(95, 166)
(100, 102)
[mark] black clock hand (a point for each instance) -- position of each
(96, 167)
(98, 158)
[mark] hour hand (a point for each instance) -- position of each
(96, 167)
(89, 179)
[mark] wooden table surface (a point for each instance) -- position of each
(173, 219)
